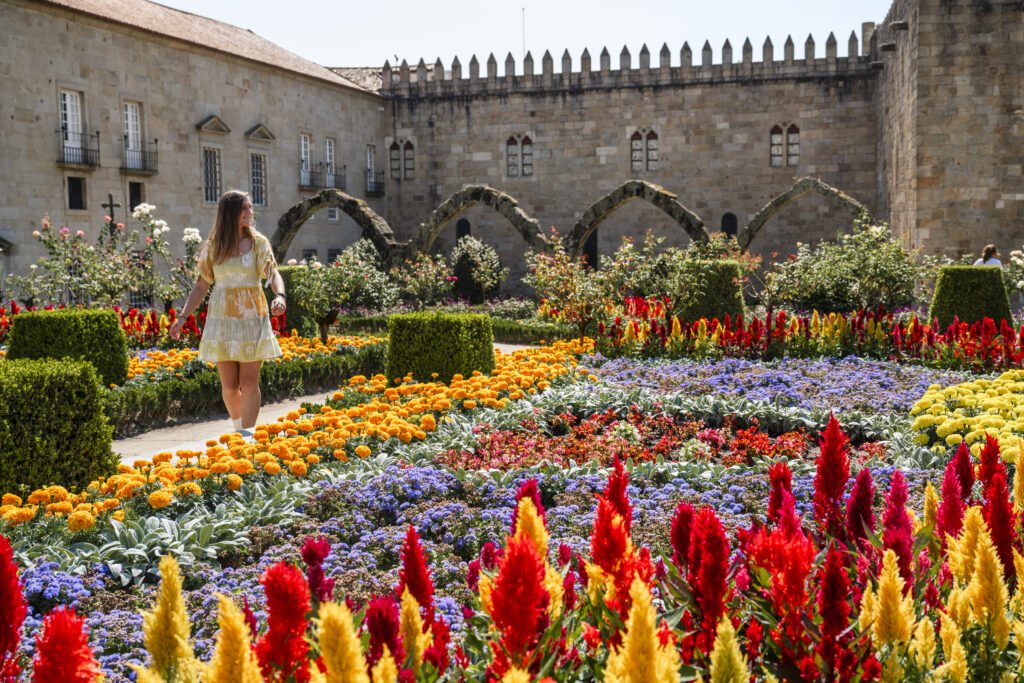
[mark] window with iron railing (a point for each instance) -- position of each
(211, 175)
(258, 179)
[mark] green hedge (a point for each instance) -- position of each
(970, 293)
(445, 343)
(132, 409)
(52, 427)
(294, 317)
(504, 330)
(723, 294)
(80, 334)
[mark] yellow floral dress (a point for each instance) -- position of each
(237, 318)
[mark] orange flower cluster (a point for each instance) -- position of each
(404, 411)
(157, 364)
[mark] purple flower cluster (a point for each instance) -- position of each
(841, 384)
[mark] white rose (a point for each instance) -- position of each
(291, 262)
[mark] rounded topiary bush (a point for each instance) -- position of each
(477, 269)
(721, 293)
(80, 334)
(970, 293)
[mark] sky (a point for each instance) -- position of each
(367, 33)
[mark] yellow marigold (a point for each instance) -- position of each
(160, 499)
(363, 451)
(271, 468)
(80, 520)
(11, 499)
(19, 515)
(189, 488)
(234, 482)
(298, 468)
(61, 508)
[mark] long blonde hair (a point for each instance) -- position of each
(224, 236)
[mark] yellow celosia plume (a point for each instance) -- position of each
(385, 670)
(958, 607)
(895, 613)
(988, 592)
(515, 675)
(340, 647)
(728, 665)
(962, 549)
(868, 609)
(931, 506)
(955, 666)
(1018, 478)
(641, 658)
(529, 522)
(233, 659)
(922, 646)
(166, 628)
(411, 628)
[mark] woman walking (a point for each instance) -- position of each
(237, 335)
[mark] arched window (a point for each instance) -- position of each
(410, 161)
(395, 159)
(776, 146)
(729, 224)
(793, 146)
(652, 151)
(527, 155)
(636, 152)
(461, 229)
(512, 157)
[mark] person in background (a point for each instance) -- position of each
(988, 257)
(237, 335)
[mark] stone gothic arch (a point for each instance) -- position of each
(461, 200)
(799, 189)
(374, 228)
(627, 192)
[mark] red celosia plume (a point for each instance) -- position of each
(682, 527)
(1001, 519)
(13, 609)
(519, 600)
(615, 491)
(415, 575)
(780, 478)
(964, 465)
(384, 624)
(833, 606)
(62, 650)
(898, 533)
(991, 462)
(830, 480)
(950, 518)
(610, 539)
(859, 510)
(282, 649)
(530, 490)
(708, 569)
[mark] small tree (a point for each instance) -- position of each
(477, 269)
(565, 284)
(423, 281)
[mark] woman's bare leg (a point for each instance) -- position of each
(249, 387)
(229, 387)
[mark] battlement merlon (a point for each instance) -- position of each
(432, 80)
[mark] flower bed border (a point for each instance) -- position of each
(505, 331)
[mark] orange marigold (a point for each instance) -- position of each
(160, 499)
(363, 451)
(77, 521)
(11, 499)
(298, 468)
(271, 468)
(234, 482)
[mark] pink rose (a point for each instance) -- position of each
(120, 226)
(149, 240)
(80, 233)
(63, 231)
(106, 219)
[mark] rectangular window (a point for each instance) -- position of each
(371, 153)
(71, 126)
(76, 193)
(329, 162)
(332, 213)
(652, 153)
(258, 179)
(776, 149)
(211, 175)
(527, 157)
(132, 115)
(395, 160)
(512, 158)
(310, 255)
(636, 153)
(792, 149)
(135, 195)
(333, 254)
(410, 161)
(305, 149)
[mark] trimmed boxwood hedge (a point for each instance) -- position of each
(971, 293)
(446, 343)
(52, 427)
(724, 294)
(505, 331)
(91, 335)
(132, 409)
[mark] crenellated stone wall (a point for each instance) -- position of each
(712, 121)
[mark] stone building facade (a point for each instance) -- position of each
(922, 121)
